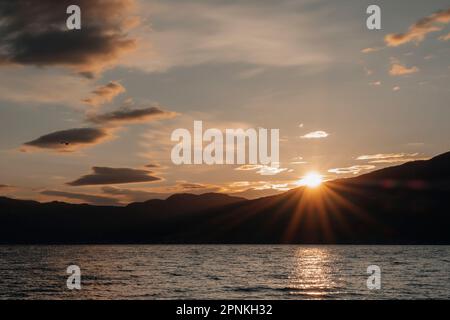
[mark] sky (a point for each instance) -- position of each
(86, 115)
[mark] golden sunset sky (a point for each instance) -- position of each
(86, 116)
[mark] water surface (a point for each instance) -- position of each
(224, 272)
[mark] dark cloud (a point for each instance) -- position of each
(4, 186)
(132, 195)
(69, 140)
(91, 199)
(105, 175)
(127, 115)
(35, 33)
(104, 94)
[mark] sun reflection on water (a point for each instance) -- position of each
(313, 273)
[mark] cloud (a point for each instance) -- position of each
(315, 135)
(249, 167)
(370, 50)
(351, 170)
(298, 160)
(105, 175)
(91, 199)
(419, 30)
(69, 140)
(270, 171)
(261, 169)
(193, 33)
(400, 70)
(379, 156)
(4, 186)
(104, 94)
(397, 160)
(24, 86)
(396, 88)
(391, 157)
(192, 186)
(375, 83)
(36, 34)
(133, 195)
(127, 115)
(152, 165)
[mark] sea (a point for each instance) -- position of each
(280, 272)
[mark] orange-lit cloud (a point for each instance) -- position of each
(249, 167)
(418, 31)
(104, 94)
(400, 70)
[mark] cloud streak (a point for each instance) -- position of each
(127, 115)
(381, 156)
(351, 170)
(106, 175)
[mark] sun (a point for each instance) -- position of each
(311, 180)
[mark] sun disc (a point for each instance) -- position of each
(311, 180)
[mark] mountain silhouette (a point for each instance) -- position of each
(405, 204)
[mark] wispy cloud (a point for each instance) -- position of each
(315, 135)
(270, 171)
(379, 156)
(104, 94)
(391, 157)
(261, 169)
(419, 30)
(249, 167)
(397, 160)
(371, 49)
(205, 32)
(351, 170)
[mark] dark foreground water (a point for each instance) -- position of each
(224, 272)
